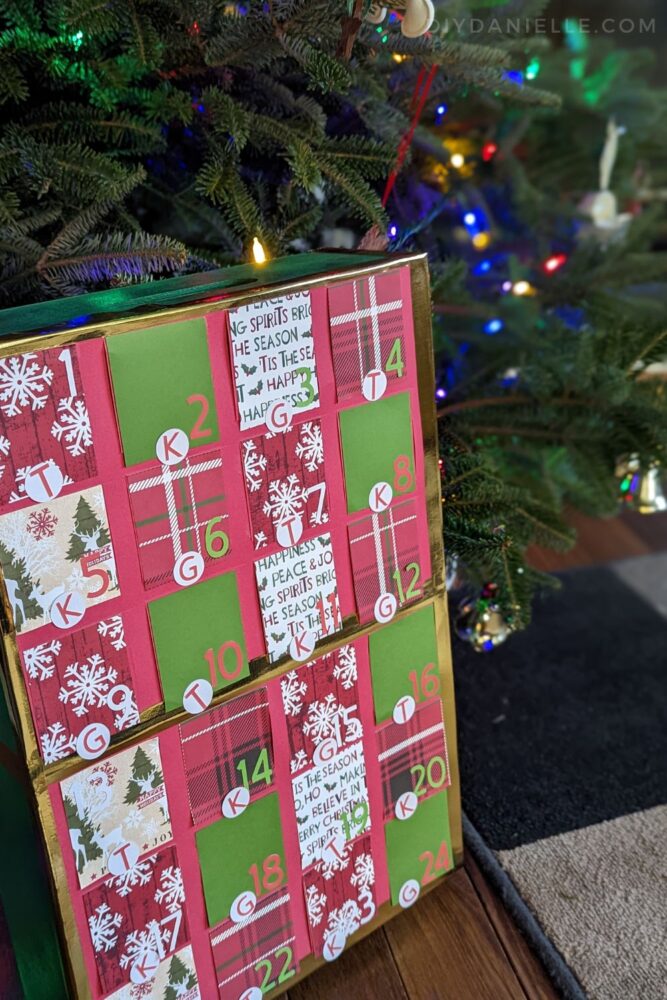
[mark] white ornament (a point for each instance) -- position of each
(418, 18)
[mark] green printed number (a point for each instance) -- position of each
(434, 775)
(216, 541)
(260, 772)
(355, 821)
(395, 359)
(265, 968)
(412, 591)
(306, 384)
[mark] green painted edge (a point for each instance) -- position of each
(82, 310)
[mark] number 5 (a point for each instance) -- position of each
(96, 571)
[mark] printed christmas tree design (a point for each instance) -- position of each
(181, 979)
(83, 834)
(145, 777)
(89, 532)
(20, 587)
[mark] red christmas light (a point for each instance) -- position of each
(489, 150)
(554, 263)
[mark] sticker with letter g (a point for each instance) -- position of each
(93, 740)
(385, 608)
(409, 893)
(189, 568)
(279, 417)
(325, 751)
(243, 906)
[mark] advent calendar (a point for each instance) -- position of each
(225, 637)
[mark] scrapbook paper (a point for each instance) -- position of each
(198, 635)
(76, 680)
(413, 760)
(285, 484)
(175, 979)
(179, 509)
(58, 559)
(384, 549)
(45, 432)
(377, 448)
(321, 704)
(419, 849)
(298, 596)
(274, 358)
(116, 811)
(227, 748)
(258, 953)
(161, 380)
(136, 920)
(404, 662)
(367, 335)
(341, 899)
(242, 860)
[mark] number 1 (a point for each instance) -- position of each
(66, 358)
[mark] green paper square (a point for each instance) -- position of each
(154, 372)
(414, 846)
(374, 436)
(189, 624)
(396, 650)
(229, 848)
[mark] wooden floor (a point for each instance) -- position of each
(459, 943)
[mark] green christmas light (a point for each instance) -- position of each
(77, 40)
(533, 69)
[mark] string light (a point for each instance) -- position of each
(392, 232)
(489, 150)
(523, 288)
(440, 113)
(506, 286)
(554, 263)
(457, 160)
(470, 219)
(441, 393)
(258, 252)
(514, 76)
(483, 267)
(397, 57)
(480, 241)
(533, 68)
(493, 326)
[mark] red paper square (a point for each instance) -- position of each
(257, 951)
(321, 702)
(285, 485)
(172, 506)
(214, 745)
(137, 919)
(43, 418)
(366, 324)
(384, 548)
(77, 679)
(413, 756)
(339, 901)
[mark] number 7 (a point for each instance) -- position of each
(322, 488)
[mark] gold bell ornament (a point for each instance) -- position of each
(418, 16)
(641, 489)
(480, 621)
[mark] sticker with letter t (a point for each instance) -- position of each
(163, 391)
(46, 441)
(181, 518)
(366, 320)
(274, 361)
(198, 636)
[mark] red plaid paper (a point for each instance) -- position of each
(384, 548)
(171, 508)
(413, 756)
(137, 919)
(366, 321)
(79, 678)
(257, 952)
(321, 702)
(224, 747)
(43, 418)
(340, 899)
(284, 476)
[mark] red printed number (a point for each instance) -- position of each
(427, 685)
(95, 572)
(216, 663)
(272, 875)
(199, 431)
(403, 478)
(434, 864)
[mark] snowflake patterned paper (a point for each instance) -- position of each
(137, 919)
(285, 484)
(224, 748)
(384, 549)
(175, 509)
(55, 554)
(176, 979)
(298, 593)
(116, 811)
(43, 418)
(76, 679)
(366, 322)
(340, 901)
(274, 357)
(413, 756)
(258, 950)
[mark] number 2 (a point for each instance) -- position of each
(198, 431)
(426, 775)
(267, 965)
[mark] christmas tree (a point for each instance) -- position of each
(181, 979)
(145, 776)
(89, 533)
(146, 139)
(19, 587)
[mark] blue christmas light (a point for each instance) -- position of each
(470, 219)
(392, 232)
(483, 267)
(440, 113)
(514, 76)
(441, 393)
(493, 326)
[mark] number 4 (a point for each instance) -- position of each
(395, 359)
